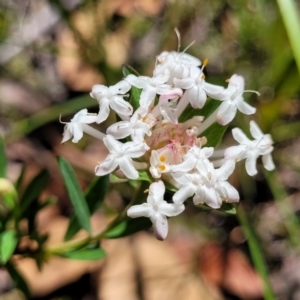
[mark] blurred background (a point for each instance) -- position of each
(53, 52)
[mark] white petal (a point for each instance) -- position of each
(244, 107)
(120, 106)
(240, 136)
(268, 162)
(142, 210)
(77, 132)
(120, 130)
(230, 193)
(99, 91)
(185, 83)
(171, 210)
(197, 97)
(226, 112)
(104, 110)
(127, 167)
(237, 81)
(225, 170)
(67, 133)
(107, 166)
(212, 90)
(147, 96)
(251, 165)
(235, 152)
(121, 87)
(255, 130)
(112, 144)
(161, 227)
(183, 193)
(158, 190)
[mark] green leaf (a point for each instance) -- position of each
(228, 208)
(85, 254)
(33, 190)
(76, 195)
(115, 179)
(143, 176)
(214, 134)
(94, 195)
(127, 70)
(18, 279)
(19, 181)
(3, 159)
(8, 243)
(128, 227)
(210, 106)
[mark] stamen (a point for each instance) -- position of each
(252, 91)
(178, 38)
(162, 158)
(60, 121)
(162, 167)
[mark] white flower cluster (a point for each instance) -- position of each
(170, 151)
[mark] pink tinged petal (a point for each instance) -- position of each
(225, 170)
(160, 227)
(104, 110)
(268, 162)
(77, 132)
(228, 192)
(171, 210)
(255, 131)
(240, 136)
(167, 94)
(120, 130)
(251, 165)
(136, 211)
(127, 167)
(185, 83)
(197, 96)
(244, 107)
(107, 166)
(183, 193)
(235, 152)
(120, 106)
(158, 189)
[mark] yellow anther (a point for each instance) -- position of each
(162, 158)
(146, 191)
(202, 76)
(162, 167)
(205, 62)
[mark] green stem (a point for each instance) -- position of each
(256, 252)
(291, 20)
(99, 235)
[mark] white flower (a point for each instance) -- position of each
(232, 100)
(177, 63)
(112, 97)
(157, 209)
(75, 127)
(209, 186)
(137, 127)
(195, 157)
(252, 149)
(120, 155)
(152, 86)
(196, 88)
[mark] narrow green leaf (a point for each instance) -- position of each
(33, 190)
(18, 279)
(19, 181)
(214, 134)
(86, 254)
(135, 97)
(228, 208)
(8, 243)
(3, 159)
(76, 195)
(128, 227)
(127, 70)
(94, 195)
(210, 106)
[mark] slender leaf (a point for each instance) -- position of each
(214, 134)
(127, 70)
(94, 195)
(207, 110)
(128, 227)
(3, 159)
(86, 254)
(33, 190)
(8, 243)
(18, 279)
(75, 193)
(20, 179)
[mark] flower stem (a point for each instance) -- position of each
(93, 132)
(256, 252)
